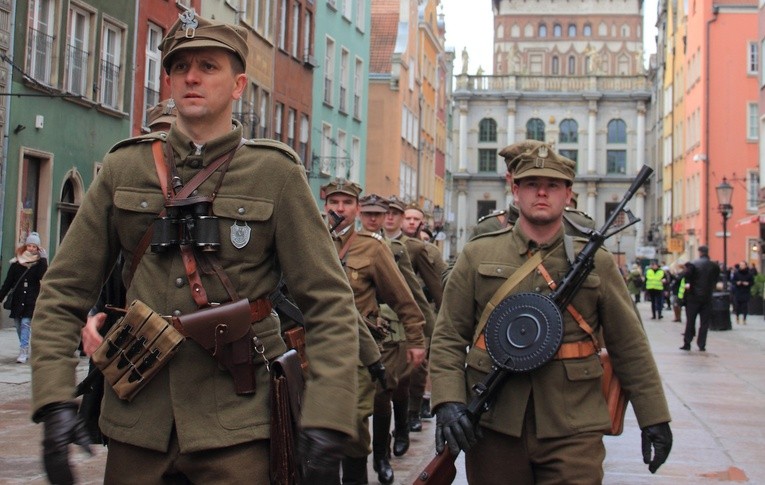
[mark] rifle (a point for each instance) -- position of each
(441, 469)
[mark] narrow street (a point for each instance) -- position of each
(717, 400)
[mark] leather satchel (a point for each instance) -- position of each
(616, 397)
(287, 385)
(226, 333)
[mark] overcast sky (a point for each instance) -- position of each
(470, 24)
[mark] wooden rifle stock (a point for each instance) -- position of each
(440, 470)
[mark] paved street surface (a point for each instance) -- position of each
(717, 400)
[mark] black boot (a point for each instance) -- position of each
(425, 409)
(415, 423)
(401, 428)
(355, 471)
(381, 448)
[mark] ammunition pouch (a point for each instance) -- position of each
(226, 333)
(135, 350)
(397, 332)
(378, 326)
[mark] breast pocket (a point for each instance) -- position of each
(490, 277)
(245, 227)
(135, 212)
(357, 268)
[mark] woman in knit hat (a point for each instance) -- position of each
(21, 287)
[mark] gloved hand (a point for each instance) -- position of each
(62, 427)
(377, 370)
(660, 436)
(320, 451)
(453, 425)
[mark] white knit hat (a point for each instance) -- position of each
(33, 238)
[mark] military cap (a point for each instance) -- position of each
(191, 31)
(396, 203)
(373, 203)
(542, 161)
(341, 186)
(164, 112)
(512, 151)
(415, 206)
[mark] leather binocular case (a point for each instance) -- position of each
(135, 350)
(225, 332)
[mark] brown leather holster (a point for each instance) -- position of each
(287, 385)
(225, 332)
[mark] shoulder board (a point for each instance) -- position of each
(373, 235)
(274, 145)
(578, 212)
(493, 233)
(149, 137)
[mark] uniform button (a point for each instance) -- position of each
(144, 204)
(194, 164)
(499, 270)
(240, 210)
(176, 313)
(195, 192)
(537, 289)
(179, 282)
(586, 372)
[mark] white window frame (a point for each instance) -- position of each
(78, 48)
(278, 113)
(41, 40)
(326, 149)
(295, 37)
(153, 71)
(307, 18)
(752, 190)
(360, 17)
(329, 70)
(283, 26)
(752, 58)
(110, 72)
(358, 87)
(752, 121)
(345, 57)
(347, 9)
(291, 120)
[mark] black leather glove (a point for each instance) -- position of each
(453, 426)
(660, 437)
(320, 452)
(62, 427)
(377, 370)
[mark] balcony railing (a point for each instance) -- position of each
(40, 55)
(551, 83)
(110, 81)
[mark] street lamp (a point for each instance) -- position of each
(438, 221)
(724, 196)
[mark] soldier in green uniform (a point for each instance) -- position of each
(428, 265)
(188, 424)
(545, 425)
(373, 274)
(373, 210)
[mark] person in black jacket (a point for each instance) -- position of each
(742, 282)
(700, 279)
(21, 287)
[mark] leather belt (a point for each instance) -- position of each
(576, 350)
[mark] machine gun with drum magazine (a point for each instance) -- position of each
(507, 336)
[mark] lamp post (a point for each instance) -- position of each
(438, 222)
(724, 196)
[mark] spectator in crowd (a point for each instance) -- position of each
(742, 282)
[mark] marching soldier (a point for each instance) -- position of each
(544, 425)
(190, 422)
(373, 274)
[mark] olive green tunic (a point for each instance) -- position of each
(567, 393)
(264, 188)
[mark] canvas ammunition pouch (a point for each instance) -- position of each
(377, 325)
(396, 333)
(135, 350)
(226, 333)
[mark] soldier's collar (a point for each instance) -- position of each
(184, 146)
(524, 244)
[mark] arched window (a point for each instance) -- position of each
(555, 66)
(569, 131)
(572, 30)
(535, 129)
(542, 30)
(487, 130)
(571, 65)
(616, 151)
(557, 30)
(587, 31)
(69, 202)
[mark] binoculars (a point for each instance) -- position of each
(187, 221)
